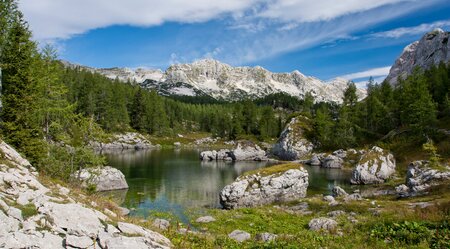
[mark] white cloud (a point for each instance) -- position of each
(363, 84)
(319, 10)
(373, 72)
(51, 19)
(415, 30)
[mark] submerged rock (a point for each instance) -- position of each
(374, 167)
(292, 144)
(104, 178)
(273, 184)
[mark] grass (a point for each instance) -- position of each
(274, 169)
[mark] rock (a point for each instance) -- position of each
(73, 218)
(259, 189)
(420, 177)
(109, 212)
(431, 49)
(332, 161)
(208, 155)
(266, 237)
(124, 211)
(316, 160)
(79, 242)
(239, 236)
(322, 223)
(15, 213)
(64, 191)
(155, 237)
(161, 224)
(205, 140)
(12, 155)
(338, 191)
(340, 153)
(177, 144)
(130, 242)
(105, 178)
(329, 198)
(353, 197)
(336, 213)
(127, 141)
(247, 151)
(224, 154)
(36, 240)
(205, 219)
(8, 224)
(292, 144)
(374, 167)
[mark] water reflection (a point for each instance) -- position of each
(173, 180)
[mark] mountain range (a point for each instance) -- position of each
(209, 77)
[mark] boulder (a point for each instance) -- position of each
(161, 224)
(266, 237)
(374, 167)
(155, 237)
(210, 155)
(322, 223)
(338, 191)
(239, 236)
(316, 160)
(420, 177)
(205, 219)
(247, 151)
(104, 178)
(278, 183)
(292, 144)
(79, 242)
(332, 161)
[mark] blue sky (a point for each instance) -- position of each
(322, 38)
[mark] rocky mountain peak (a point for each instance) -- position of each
(431, 49)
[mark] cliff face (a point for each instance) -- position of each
(431, 49)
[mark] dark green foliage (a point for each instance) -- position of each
(411, 233)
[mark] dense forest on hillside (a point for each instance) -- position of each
(51, 113)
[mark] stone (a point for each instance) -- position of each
(155, 237)
(127, 141)
(333, 162)
(122, 242)
(205, 219)
(353, 197)
(322, 223)
(161, 224)
(292, 144)
(420, 176)
(177, 144)
(316, 160)
(266, 237)
(336, 213)
(64, 191)
(73, 218)
(239, 235)
(79, 242)
(8, 224)
(282, 186)
(329, 198)
(110, 213)
(338, 191)
(104, 178)
(208, 155)
(247, 151)
(124, 211)
(340, 153)
(15, 213)
(374, 167)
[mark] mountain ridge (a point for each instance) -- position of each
(224, 82)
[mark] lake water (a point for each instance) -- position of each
(172, 181)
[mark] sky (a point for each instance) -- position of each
(353, 39)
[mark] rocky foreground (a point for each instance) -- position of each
(33, 215)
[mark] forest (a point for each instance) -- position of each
(51, 113)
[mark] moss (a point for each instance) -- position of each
(28, 210)
(274, 169)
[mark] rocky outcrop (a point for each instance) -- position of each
(431, 49)
(244, 151)
(35, 216)
(374, 167)
(292, 144)
(127, 141)
(420, 177)
(104, 178)
(337, 159)
(274, 184)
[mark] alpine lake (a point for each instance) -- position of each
(175, 181)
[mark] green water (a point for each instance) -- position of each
(172, 181)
